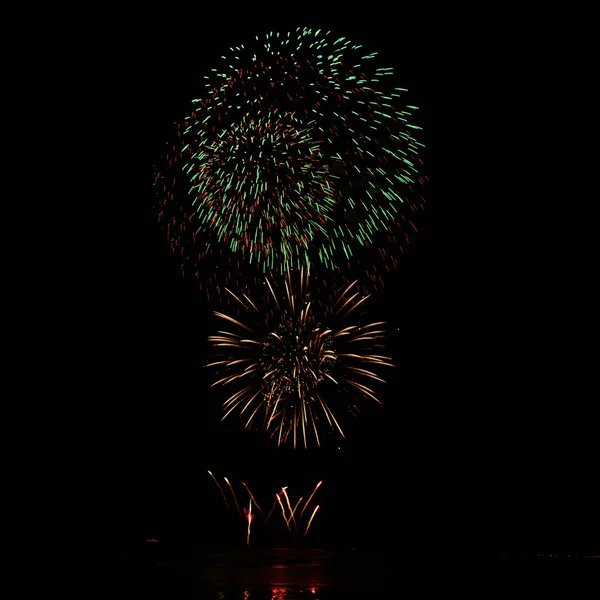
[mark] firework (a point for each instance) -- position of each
(310, 498)
(287, 499)
(252, 498)
(249, 517)
(290, 518)
(292, 522)
(311, 518)
(220, 489)
(233, 494)
(272, 509)
(287, 523)
(300, 150)
(296, 358)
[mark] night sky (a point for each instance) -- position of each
(484, 440)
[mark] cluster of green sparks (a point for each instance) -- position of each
(290, 355)
(300, 152)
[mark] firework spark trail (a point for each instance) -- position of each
(288, 503)
(252, 498)
(249, 517)
(234, 498)
(220, 489)
(297, 354)
(283, 513)
(301, 147)
(288, 512)
(272, 509)
(294, 511)
(311, 518)
(310, 498)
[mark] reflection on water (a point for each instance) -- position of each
(283, 568)
(288, 593)
(276, 593)
(270, 574)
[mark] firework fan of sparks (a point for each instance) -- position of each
(292, 517)
(293, 363)
(300, 151)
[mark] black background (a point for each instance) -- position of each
(485, 438)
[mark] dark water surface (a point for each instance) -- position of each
(154, 571)
(255, 574)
